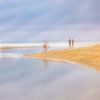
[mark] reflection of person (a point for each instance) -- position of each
(73, 43)
(69, 41)
(45, 61)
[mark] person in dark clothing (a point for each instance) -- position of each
(45, 46)
(69, 42)
(73, 42)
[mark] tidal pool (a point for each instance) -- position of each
(32, 79)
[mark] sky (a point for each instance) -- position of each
(54, 20)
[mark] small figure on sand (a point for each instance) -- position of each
(45, 46)
(71, 43)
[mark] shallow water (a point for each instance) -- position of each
(32, 79)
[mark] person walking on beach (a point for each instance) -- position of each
(45, 46)
(73, 43)
(69, 41)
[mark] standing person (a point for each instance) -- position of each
(45, 46)
(73, 42)
(69, 42)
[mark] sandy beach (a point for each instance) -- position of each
(89, 56)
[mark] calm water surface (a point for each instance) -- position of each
(31, 79)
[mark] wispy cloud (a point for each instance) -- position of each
(49, 19)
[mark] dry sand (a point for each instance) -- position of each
(85, 55)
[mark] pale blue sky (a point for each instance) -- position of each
(49, 19)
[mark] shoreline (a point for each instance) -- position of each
(58, 60)
(63, 61)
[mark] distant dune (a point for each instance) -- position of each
(85, 55)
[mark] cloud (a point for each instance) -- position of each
(44, 19)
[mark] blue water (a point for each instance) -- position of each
(32, 79)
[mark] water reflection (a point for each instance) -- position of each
(45, 61)
(31, 79)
